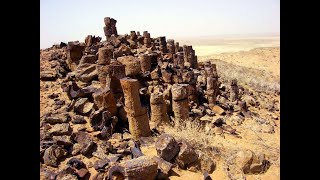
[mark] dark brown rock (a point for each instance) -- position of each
(186, 156)
(167, 147)
(143, 167)
(77, 119)
(82, 172)
(63, 140)
(74, 54)
(163, 166)
(85, 142)
(104, 98)
(46, 174)
(90, 59)
(83, 106)
(76, 163)
(86, 72)
(100, 165)
(53, 154)
(60, 129)
(48, 75)
(56, 118)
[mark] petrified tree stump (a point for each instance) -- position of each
(74, 54)
(180, 104)
(212, 90)
(110, 27)
(145, 62)
(158, 109)
(234, 93)
(133, 35)
(137, 115)
(189, 56)
(146, 39)
(163, 44)
(110, 75)
(177, 47)
(171, 46)
(178, 60)
(104, 55)
(132, 65)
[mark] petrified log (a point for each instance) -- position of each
(171, 46)
(132, 65)
(179, 92)
(74, 54)
(180, 109)
(177, 47)
(146, 39)
(145, 62)
(189, 56)
(163, 44)
(104, 55)
(110, 27)
(139, 126)
(131, 96)
(234, 93)
(110, 75)
(158, 109)
(137, 115)
(212, 90)
(143, 167)
(133, 35)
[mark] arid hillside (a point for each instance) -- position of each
(142, 107)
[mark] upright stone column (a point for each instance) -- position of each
(137, 115)
(146, 39)
(171, 47)
(180, 106)
(110, 27)
(212, 82)
(178, 60)
(234, 93)
(133, 35)
(74, 54)
(177, 47)
(189, 55)
(145, 62)
(104, 55)
(158, 109)
(212, 90)
(163, 44)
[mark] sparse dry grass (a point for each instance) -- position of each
(255, 78)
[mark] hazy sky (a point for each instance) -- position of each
(70, 20)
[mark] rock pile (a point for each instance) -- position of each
(120, 91)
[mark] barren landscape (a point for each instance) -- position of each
(141, 107)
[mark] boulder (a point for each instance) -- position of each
(53, 154)
(167, 147)
(60, 129)
(83, 106)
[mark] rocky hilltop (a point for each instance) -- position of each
(120, 109)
